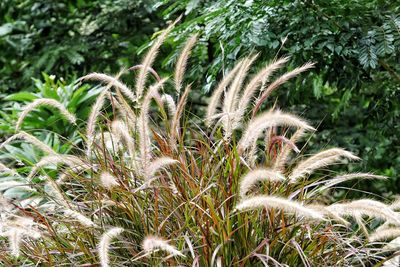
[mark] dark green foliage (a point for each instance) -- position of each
(69, 36)
(356, 45)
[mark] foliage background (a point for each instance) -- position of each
(353, 94)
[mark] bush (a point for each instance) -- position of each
(229, 194)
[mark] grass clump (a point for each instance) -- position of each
(152, 186)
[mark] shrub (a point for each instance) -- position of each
(157, 186)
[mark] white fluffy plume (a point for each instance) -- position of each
(319, 160)
(45, 102)
(257, 175)
(153, 243)
(105, 243)
(368, 207)
(108, 180)
(267, 120)
(279, 203)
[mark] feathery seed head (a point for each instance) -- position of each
(149, 59)
(217, 92)
(368, 207)
(158, 164)
(278, 82)
(319, 160)
(255, 176)
(182, 61)
(143, 124)
(166, 98)
(384, 234)
(44, 102)
(267, 120)
(280, 203)
(112, 81)
(105, 243)
(31, 139)
(79, 217)
(153, 243)
(108, 180)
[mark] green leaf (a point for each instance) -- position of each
(21, 96)
(5, 29)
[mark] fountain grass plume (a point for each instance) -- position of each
(94, 113)
(143, 124)
(257, 81)
(389, 233)
(282, 157)
(367, 207)
(175, 123)
(108, 180)
(82, 219)
(319, 160)
(278, 82)
(153, 243)
(105, 243)
(287, 206)
(166, 98)
(31, 139)
(149, 59)
(113, 81)
(48, 102)
(267, 120)
(156, 165)
(181, 63)
(254, 176)
(232, 96)
(218, 91)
